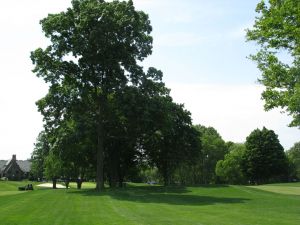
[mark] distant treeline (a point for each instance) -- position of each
(261, 159)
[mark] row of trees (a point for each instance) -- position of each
(168, 157)
(261, 159)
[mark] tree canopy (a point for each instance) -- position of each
(264, 158)
(293, 155)
(103, 110)
(230, 170)
(94, 53)
(276, 30)
(214, 149)
(39, 154)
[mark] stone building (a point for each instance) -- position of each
(14, 169)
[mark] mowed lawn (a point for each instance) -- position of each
(143, 204)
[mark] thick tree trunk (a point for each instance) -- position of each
(121, 181)
(166, 176)
(100, 150)
(79, 183)
(113, 168)
(100, 161)
(120, 172)
(67, 182)
(166, 180)
(113, 178)
(54, 183)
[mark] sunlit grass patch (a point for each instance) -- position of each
(289, 189)
(85, 185)
(2, 193)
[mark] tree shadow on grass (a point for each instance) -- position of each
(211, 186)
(160, 195)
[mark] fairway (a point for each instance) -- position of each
(142, 204)
(290, 189)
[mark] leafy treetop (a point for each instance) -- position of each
(276, 30)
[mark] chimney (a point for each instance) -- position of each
(14, 157)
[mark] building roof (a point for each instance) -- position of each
(2, 164)
(23, 164)
(7, 162)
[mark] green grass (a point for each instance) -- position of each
(288, 188)
(85, 185)
(151, 205)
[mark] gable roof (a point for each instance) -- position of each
(23, 164)
(7, 162)
(2, 164)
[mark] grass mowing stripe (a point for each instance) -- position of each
(10, 193)
(280, 189)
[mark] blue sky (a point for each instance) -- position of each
(204, 39)
(199, 45)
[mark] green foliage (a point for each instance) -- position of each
(40, 152)
(230, 169)
(103, 111)
(149, 174)
(276, 31)
(293, 155)
(172, 139)
(190, 173)
(93, 56)
(201, 169)
(214, 149)
(72, 143)
(264, 159)
(53, 166)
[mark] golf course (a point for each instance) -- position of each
(141, 204)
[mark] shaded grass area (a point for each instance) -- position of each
(142, 204)
(161, 195)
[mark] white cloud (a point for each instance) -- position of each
(234, 110)
(21, 33)
(19, 120)
(239, 32)
(178, 39)
(178, 11)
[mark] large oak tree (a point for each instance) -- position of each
(94, 53)
(101, 98)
